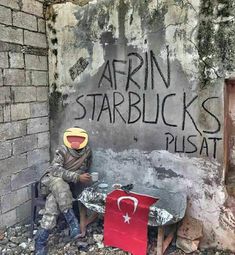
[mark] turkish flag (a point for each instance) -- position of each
(126, 221)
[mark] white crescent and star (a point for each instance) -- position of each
(126, 217)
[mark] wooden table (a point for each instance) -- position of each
(168, 210)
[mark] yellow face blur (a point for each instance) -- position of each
(75, 138)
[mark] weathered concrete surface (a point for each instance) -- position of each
(143, 76)
(197, 177)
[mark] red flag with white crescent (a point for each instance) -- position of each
(126, 220)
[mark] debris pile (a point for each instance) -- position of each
(16, 240)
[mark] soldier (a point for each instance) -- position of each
(69, 166)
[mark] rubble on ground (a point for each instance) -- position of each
(16, 240)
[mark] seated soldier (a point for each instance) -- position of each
(70, 164)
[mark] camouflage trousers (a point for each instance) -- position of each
(58, 200)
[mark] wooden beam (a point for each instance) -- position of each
(160, 239)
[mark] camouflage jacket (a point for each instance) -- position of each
(69, 164)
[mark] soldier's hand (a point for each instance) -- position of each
(84, 178)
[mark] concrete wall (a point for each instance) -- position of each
(24, 124)
(146, 79)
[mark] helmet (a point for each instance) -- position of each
(75, 138)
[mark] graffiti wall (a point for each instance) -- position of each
(139, 77)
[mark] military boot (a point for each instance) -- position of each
(41, 241)
(73, 223)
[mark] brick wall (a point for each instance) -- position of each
(24, 126)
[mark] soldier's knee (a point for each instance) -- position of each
(59, 185)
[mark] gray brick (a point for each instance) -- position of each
(35, 62)
(9, 34)
(12, 130)
(5, 95)
(16, 60)
(5, 150)
(24, 144)
(9, 218)
(5, 185)
(4, 60)
(38, 109)
(35, 39)
(43, 140)
(14, 77)
(24, 20)
(28, 175)
(25, 94)
(39, 78)
(5, 15)
(1, 114)
(14, 199)
(13, 165)
(38, 156)
(20, 111)
(7, 113)
(1, 78)
(42, 93)
(10, 3)
(24, 178)
(37, 125)
(41, 25)
(28, 78)
(32, 7)
(23, 211)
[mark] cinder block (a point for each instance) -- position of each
(1, 114)
(39, 78)
(7, 113)
(14, 4)
(24, 144)
(1, 78)
(35, 39)
(4, 60)
(13, 165)
(5, 150)
(20, 111)
(5, 95)
(28, 77)
(24, 20)
(28, 176)
(9, 218)
(32, 7)
(35, 62)
(38, 156)
(5, 15)
(42, 93)
(43, 140)
(25, 94)
(16, 60)
(38, 109)
(41, 25)
(14, 77)
(10, 34)
(14, 199)
(12, 130)
(5, 185)
(37, 125)
(23, 212)
(24, 178)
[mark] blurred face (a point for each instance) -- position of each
(75, 138)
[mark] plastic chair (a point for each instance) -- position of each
(38, 202)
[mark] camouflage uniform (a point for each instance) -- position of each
(65, 170)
